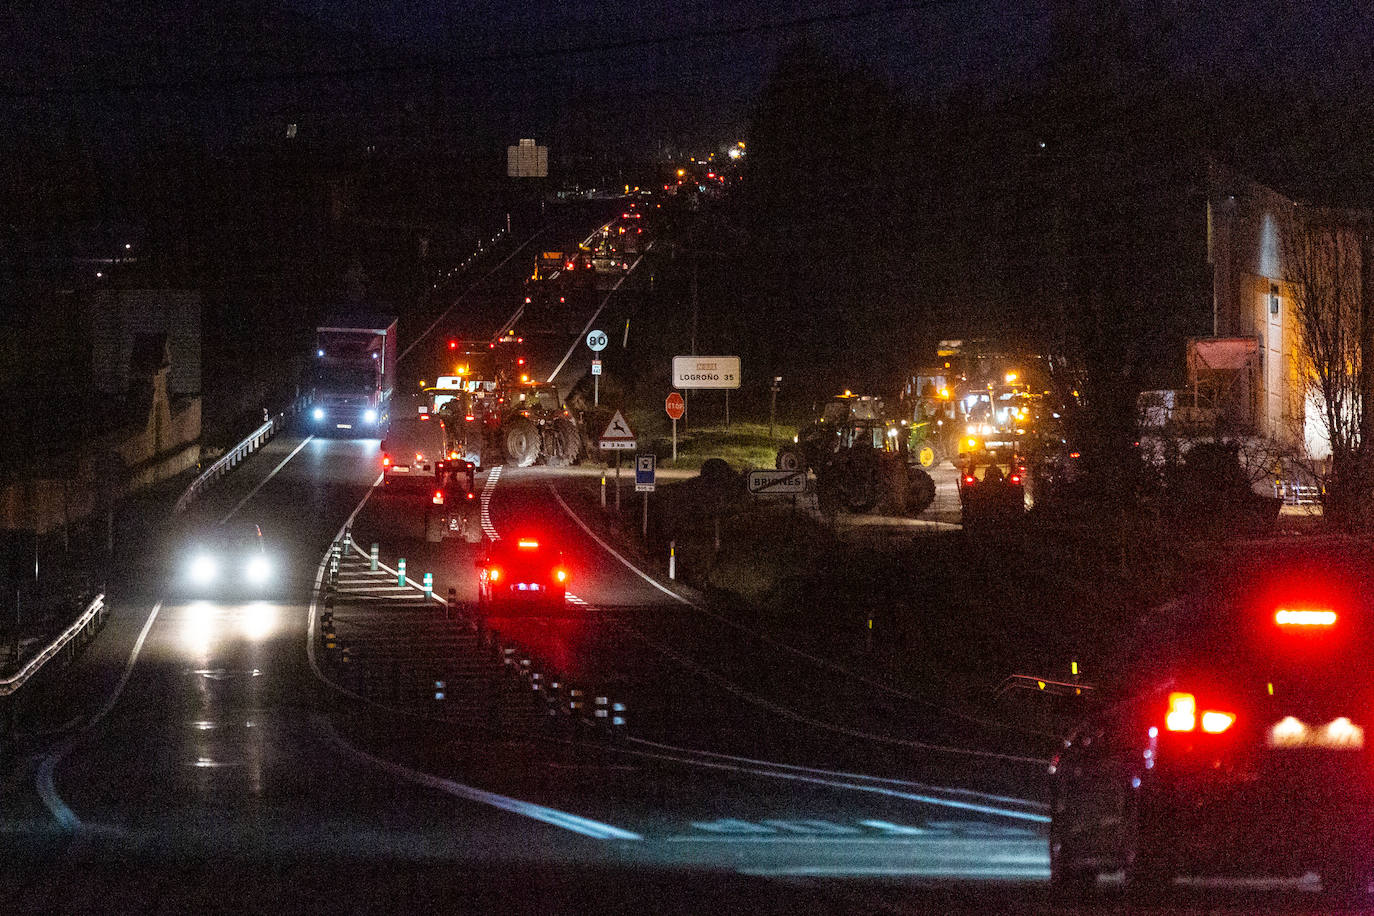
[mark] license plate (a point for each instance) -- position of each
(344, 426)
(528, 586)
(401, 469)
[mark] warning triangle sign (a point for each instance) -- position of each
(618, 430)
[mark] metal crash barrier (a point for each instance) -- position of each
(230, 460)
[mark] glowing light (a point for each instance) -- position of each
(1305, 617)
(528, 543)
(1343, 731)
(1182, 715)
(1214, 723)
(1288, 730)
(204, 569)
(318, 413)
(561, 575)
(369, 416)
(258, 621)
(257, 570)
(1011, 377)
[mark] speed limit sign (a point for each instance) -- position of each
(597, 341)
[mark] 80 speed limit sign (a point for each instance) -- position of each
(597, 341)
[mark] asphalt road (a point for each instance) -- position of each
(219, 753)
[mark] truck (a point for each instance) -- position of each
(353, 373)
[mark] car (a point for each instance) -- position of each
(228, 558)
(521, 575)
(996, 497)
(1235, 742)
(414, 448)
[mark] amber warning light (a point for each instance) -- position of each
(1304, 617)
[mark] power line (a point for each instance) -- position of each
(440, 67)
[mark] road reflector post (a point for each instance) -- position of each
(429, 585)
(603, 491)
(617, 715)
(602, 708)
(439, 690)
(372, 557)
(401, 571)
(672, 559)
(536, 680)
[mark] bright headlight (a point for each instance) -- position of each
(319, 413)
(369, 416)
(204, 569)
(258, 569)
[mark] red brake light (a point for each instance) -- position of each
(528, 543)
(469, 418)
(470, 495)
(1214, 723)
(494, 573)
(1304, 617)
(1014, 478)
(520, 361)
(561, 575)
(453, 344)
(968, 480)
(386, 461)
(438, 497)
(1182, 714)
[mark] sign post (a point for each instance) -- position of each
(675, 407)
(717, 372)
(618, 437)
(644, 483)
(596, 342)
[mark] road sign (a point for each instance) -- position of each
(705, 371)
(618, 434)
(644, 473)
(675, 406)
(597, 340)
(777, 483)
(596, 367)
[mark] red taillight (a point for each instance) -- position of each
(1214, 723)
(527, 543)
(453, 344)
(494, 573)
(1014, 479)
(520, 361)
(386, 461)
(1182, 714)
(969, 481)
(469, 418)
(561, 575)
(471, 495)
(438, 497)
(1304, 617)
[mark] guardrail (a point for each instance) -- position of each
(1297, 494)
(84, 625)
(229, 460)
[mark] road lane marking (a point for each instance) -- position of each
(254, 492)
(562, 819)
(791, 650)
(590, 321)
(46, 778)
(429, 330)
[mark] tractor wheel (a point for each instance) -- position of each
(789, 459)
(859, 483)
(522, 442)
(920, 491)
(566, 442)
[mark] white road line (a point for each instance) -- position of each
(791, 650)
(254, 492)
(429, 330)
(590, 321)
(46, 778)
(563, 819)
(488, 489)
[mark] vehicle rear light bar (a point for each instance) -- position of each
(1304, 617)
(1182, 716)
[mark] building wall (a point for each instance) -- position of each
(1251, 298)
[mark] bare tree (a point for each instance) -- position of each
(1325, 269)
